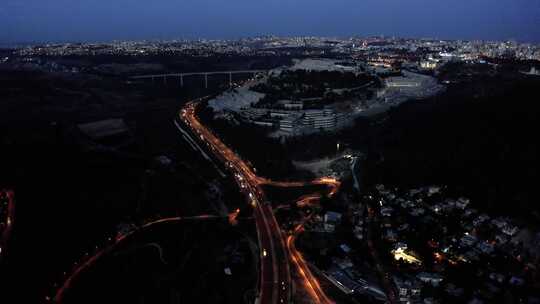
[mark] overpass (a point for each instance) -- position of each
(181, 76)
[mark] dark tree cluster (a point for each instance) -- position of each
(295, 85)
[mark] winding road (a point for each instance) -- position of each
(275, 276)
(276, 249)
(91, 260)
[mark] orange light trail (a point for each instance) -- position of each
(309, 280)
(92, 260)
(247, 175)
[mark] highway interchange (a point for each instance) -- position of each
(277, 249)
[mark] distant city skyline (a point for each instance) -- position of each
(101, 21)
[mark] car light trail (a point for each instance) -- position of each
(120, 239)
(271, 241)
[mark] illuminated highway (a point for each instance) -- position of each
(275, 276)
(310, 282)
(275, 279)
(275, 251)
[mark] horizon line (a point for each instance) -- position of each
(208, 39)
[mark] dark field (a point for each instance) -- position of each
(73, 192)
(179, 262)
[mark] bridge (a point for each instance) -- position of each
(181, 76)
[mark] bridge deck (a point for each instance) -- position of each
(197, 73)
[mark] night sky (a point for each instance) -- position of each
(103, 20)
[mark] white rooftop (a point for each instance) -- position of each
(320, 65)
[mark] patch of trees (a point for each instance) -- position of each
(300, 84)
(266, 154)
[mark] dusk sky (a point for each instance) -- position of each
(103, 20)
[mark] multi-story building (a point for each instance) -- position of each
(320, 119)
(289, 124)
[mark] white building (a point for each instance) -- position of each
(401, 82)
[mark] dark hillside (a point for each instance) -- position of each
(479, 137)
